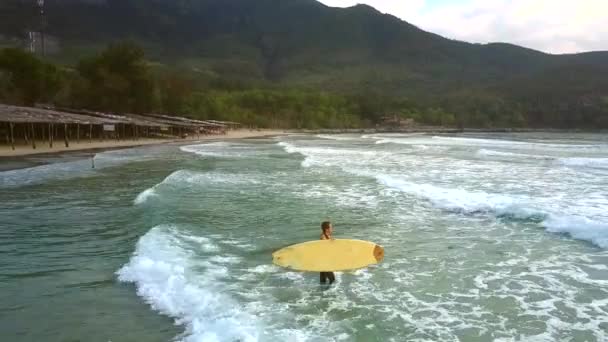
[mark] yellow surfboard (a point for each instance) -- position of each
(329, 255)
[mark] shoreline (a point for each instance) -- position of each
(25, 157)
(445, 130)
(44, 149)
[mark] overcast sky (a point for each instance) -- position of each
(555, 26)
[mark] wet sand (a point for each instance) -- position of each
(25, 156)
(43, 147)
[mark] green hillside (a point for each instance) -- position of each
(302, 44)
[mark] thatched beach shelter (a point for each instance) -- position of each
(30, 125)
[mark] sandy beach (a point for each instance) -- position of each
(59, 146)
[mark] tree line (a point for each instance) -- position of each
(120, 79)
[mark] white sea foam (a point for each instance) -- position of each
(388, 141)
(331, 156)
(480, 141)
(223, 259)
(336, 137)
(190, 178)
(557, 293)
(460, 200)
(161, 269)
(289, 148)
(579, 220)
(293, 276)
(518, 207)
(411, 139)
(491, 153)
(580, 228)
(201, 243)
(198, 147)
(416, 145)
(185, 177)
(222, 150)
(145, 196)
(264, 269)
(518, 144)
(598, 163)
(355, 196)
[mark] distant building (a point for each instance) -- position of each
(395, 121)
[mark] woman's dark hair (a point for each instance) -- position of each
(325, 225)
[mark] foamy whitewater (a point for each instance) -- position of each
(487, 238)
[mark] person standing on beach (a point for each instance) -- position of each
(326, 231)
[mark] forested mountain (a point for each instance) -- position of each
(353, 52)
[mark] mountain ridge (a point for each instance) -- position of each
(303, 43)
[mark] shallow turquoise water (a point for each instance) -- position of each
(487, 238)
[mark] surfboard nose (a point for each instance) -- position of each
(378, 253)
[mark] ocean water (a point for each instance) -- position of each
(487, 238)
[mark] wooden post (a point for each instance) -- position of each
(51, 135)
(90, 133)
(12, 125)
(33, 135)
(25, 135)
(78, 133)
(65, 135)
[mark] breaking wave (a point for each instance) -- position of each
(509, 206)
(578, 221)
(463, 201)
(221, 149)
(162, 269)
(144, 196)
(336, 137)
(328, 156)
(597, 163)
(519, 144)
(491, 153)
(186, 178)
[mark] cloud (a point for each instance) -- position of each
(555, 26)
